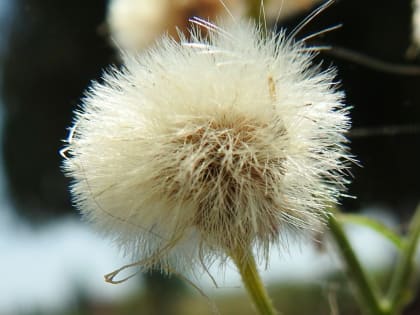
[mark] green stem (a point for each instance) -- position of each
(245, 263)
(374, 225)
(367, 293)
(399, 293)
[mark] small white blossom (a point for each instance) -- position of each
(195, 149)
(136, 24)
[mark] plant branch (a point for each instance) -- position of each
(246, 265)
(367, 293)
(400, 294)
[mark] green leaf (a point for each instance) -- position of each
(401, 290)
(374, 225)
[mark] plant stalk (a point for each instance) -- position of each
(367, 293)
(246, 265)
(399, 293)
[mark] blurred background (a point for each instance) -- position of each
(52, 263)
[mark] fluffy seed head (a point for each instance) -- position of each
(195, 149)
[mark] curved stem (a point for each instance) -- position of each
(372, 63)
(367, 293)
(399, 293)
(375, 226)
(245, 263)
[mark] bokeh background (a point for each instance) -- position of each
(52, 263)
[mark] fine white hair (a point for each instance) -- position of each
(194, 149)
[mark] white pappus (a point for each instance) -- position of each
(192, 150)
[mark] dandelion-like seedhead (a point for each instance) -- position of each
(195, 149)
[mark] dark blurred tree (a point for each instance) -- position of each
(53, 52)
